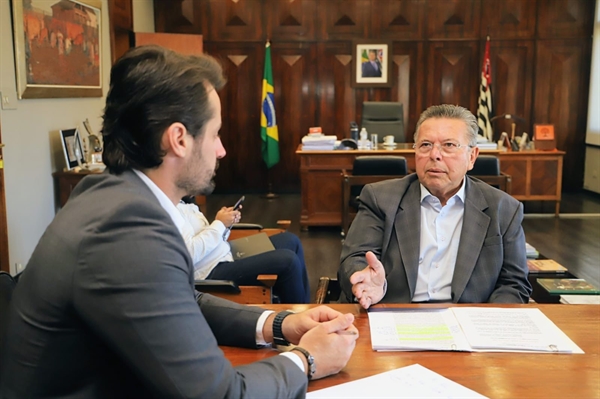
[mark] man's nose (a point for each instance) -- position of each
(220, 150)
(436, 152)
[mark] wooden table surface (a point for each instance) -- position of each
(496, 375)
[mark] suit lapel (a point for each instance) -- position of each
(472, 236)
(407, 225)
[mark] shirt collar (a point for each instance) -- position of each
(460, 193)
(163, 200)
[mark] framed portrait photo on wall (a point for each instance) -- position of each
(58, 48)
(371, 64)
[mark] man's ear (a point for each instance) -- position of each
(175, 140)
(473, 157)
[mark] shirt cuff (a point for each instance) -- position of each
(294, 358)
(260, 338)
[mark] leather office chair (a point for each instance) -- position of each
(487, 169)
(367, 169)
(7, 285)
(384, 118)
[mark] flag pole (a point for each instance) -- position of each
(270, 195)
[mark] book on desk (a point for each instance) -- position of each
(562, 286)
(545, 266)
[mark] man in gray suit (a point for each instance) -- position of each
(439, 235)
(106, 307)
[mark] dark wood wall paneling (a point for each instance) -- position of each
(540, 50)
(120, 13)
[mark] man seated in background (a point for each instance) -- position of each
(106, 307)
(437, 235)
(212, 258)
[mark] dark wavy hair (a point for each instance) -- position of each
(151, 88)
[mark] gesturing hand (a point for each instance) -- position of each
(367, 284)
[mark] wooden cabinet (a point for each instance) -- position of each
(536, 175)
(65, 182)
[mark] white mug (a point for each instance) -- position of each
(388, 140)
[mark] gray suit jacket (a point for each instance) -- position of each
(491, 264)
(106, 309)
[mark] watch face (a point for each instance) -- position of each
(311, 363)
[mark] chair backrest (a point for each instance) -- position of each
(244, 294)
(378, 165)
(7, 285)
(384, 118)
(486, 165)
(487, 169)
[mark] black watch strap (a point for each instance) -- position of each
(309, 359)
(278, 338)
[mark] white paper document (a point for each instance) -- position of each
(471, 329)
(413, 381)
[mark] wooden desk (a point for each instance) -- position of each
(536, 176)
(495, 375)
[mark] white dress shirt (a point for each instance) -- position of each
(440, 238)
(204, 240)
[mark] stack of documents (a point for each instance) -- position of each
(321, 142)
(470, 329)
(487, 146)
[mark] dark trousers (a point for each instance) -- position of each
(287, 262)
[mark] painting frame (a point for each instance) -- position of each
(362, 69)
(58, 53)
(71, 144)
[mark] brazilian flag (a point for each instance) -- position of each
(268, 121)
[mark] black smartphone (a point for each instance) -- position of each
(239, 202)
(235, 208)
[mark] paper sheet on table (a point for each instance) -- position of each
(512, 329)
(412, 330)
(474, 329)
(413, 381)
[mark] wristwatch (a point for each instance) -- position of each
(278, 338)
(309, 359)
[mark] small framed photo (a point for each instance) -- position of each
(372, 63)
(72, 147)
